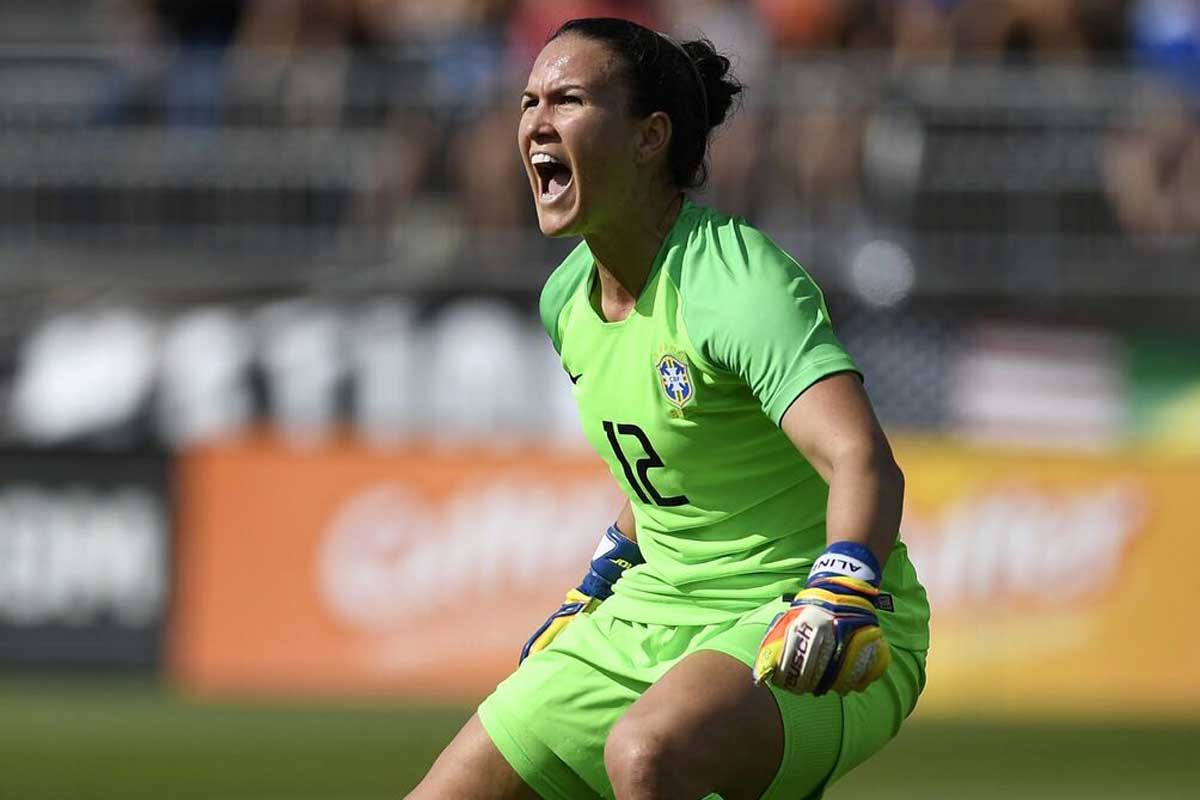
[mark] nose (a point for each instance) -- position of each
(537, 124)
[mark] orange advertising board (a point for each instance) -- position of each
(348, 570)
(1059, 584)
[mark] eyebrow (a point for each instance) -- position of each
(558, 88)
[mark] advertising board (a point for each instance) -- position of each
(420, 572)
(84, 557)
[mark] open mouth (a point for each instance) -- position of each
(554, 176)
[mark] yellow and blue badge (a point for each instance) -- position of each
(675, 380)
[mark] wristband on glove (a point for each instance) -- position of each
(830, 638)
(847, 559)
(613, 556)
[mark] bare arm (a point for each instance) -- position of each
(833, 425)
(625, 522)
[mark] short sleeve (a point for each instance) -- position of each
(761, 317)
(559, 287)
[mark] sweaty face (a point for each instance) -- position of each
(576, 136)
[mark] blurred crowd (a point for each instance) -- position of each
(440, 77)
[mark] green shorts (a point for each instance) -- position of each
(550, 718)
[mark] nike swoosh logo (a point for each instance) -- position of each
(574, 378)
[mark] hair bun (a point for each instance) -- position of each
(719, 86)
(661, 75)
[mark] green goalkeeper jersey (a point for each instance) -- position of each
(683, 400)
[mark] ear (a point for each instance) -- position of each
(653, 138)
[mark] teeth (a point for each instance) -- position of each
(544, 158)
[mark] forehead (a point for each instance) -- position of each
(574, 59)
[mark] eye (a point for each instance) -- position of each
(572, 99)
(528, 102)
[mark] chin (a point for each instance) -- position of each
(558, 223)
(553, 228)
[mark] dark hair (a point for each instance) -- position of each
(689, 82)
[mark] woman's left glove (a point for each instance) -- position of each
(613, 556)
(830, 638)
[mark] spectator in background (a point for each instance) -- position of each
(532, 21)
(480, 166)
(796, 26)
(485, 173)
(1008, 31)
(292, 61)
(1019, 31)
(185, 88)
(734, 158)
(922, 32)
(1152, 164)
(447, 58)
(1102, 28)
(815, 146)
(1152, 170)
(195, 79)
(410, 70)
(463, 38)
(1166, 38)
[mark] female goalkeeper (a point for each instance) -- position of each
(750, 625)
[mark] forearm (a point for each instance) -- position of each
(833, 425)
(625, 522)
(866, 497)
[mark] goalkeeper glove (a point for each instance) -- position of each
(613, 556)
(830, 638)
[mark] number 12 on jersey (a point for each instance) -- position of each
(641, 480)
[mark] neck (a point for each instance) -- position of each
(625, 251)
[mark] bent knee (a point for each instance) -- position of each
(645, 758)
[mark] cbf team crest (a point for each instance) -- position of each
(675, 380)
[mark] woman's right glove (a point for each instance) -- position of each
(613, 556)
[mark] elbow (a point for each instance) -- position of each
(888, 470)
(865, 449)
(872, 456)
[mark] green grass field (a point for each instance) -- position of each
(78, 739)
